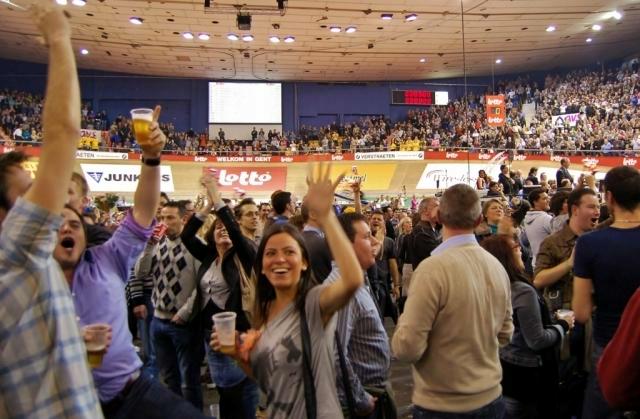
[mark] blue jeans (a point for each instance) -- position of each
(144, 330)
(595, 406)
(494, 410)
(234, 387)
(178, 357)
(147, 398)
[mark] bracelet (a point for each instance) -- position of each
(151, 161)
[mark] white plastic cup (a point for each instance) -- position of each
(142, 118)
(225, 324)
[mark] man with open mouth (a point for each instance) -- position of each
(97, 276)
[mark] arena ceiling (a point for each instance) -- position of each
(514, 32)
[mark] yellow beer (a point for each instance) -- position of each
(228, 349)
(95, 353)
(142, 119)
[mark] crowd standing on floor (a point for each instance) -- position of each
(498, 312)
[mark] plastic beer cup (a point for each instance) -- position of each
(142, 119)
(95, 339)
(225, 324)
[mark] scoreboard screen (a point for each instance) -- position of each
(412, 97)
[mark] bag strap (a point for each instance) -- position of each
(346, 384)
(244, 279)
(307, 373)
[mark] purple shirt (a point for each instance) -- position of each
(99, 297)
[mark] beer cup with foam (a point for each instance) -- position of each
(95, 339)
(142, 119)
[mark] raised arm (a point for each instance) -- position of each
(320, 199)
(61, 114)
(147, 195)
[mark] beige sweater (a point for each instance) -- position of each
(457, 314)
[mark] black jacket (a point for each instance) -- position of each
(319, 254)
(423, 240)
(207, 254)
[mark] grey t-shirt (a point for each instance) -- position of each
(277, 362)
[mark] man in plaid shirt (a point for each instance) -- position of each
(43, 365)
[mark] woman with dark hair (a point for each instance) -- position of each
(529, 362)
(560, 210)
(291, 352)
(482, 183)
(226, 252)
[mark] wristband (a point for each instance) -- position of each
(151, 161)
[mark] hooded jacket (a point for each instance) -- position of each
(537, 226)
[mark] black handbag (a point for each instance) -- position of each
(307, 373)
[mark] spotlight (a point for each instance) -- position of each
(588, 40)
(386, 16)
(289, 39)
(616, 15)
(274, 39)
(79, 2)
(187, 35)
(136, 20)
(244, 22)
(410, 17)
(335, 29)
(84, 51)
(62, 2)
(498, 61)
(203, 36)
(247, 38)
(596, 27)
(350, 29)
(551, 28)
(233, 37)
(423, 60)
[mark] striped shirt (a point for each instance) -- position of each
(43, 365)
(365, 344)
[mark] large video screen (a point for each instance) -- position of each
(245, 103)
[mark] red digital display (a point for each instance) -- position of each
(418, 97)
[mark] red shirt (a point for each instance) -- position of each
(619, 366)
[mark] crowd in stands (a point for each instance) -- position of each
(607, 102)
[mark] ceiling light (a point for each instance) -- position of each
(274, 39)
(84, 51)
(187, 35)
(551, 28)
(596, 27)
(588, 40)
(135, 20)
(616, 15)
(498, 61)
(410, 17)
(79, 2)
(247, 38)
(203, 36)
(62, 2)
(350, 29)
(335, 29)
(386, 16)
(423, 60)
(232, 37)
(289, 39)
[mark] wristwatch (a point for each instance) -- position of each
(151, 161)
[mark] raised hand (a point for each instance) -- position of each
(52, 21)
(320, 195)
(157, 139)
(210, 182)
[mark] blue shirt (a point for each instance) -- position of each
(608, 258)
(43, 363)
(99, 297)
(455, 241)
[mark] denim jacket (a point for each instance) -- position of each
(534, 332)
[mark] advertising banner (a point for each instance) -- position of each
(560, 121)
(121, 177)
(373, 176)
(443, 175)
(496, 111)
(100, 155)
(249, 179)
(391, 155)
